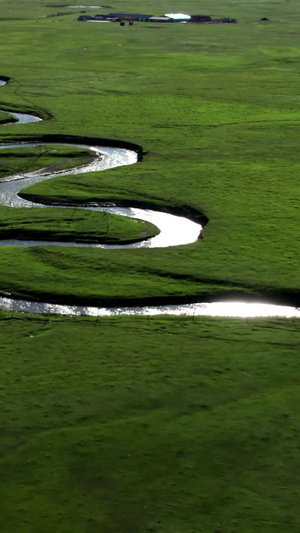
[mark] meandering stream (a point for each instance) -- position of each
(174, 231)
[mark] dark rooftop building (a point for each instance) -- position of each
(197, 19)
(130, 16)
(85, 17)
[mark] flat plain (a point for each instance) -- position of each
(157, 424)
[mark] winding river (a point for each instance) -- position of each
(174, 231)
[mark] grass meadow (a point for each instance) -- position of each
(215, 108)
(171, 425)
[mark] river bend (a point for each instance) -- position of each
(174, 231)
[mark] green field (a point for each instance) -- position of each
(215, 108)
(169, 425)
(142, 425)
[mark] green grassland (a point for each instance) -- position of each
(149, 425)
(166, 425)
(215, 108)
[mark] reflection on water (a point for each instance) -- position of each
(215, 309)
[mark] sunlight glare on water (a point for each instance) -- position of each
(215, 309)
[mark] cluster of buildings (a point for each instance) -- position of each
(168, 18)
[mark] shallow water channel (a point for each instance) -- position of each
(174, 231)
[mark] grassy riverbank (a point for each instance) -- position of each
(5, 118)
(51, 158)
(72, 225)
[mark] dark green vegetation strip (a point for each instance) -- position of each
(105, 430)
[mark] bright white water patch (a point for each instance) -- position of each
(216, 309)
(83, 7)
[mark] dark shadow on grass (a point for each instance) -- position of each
(73, 139)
